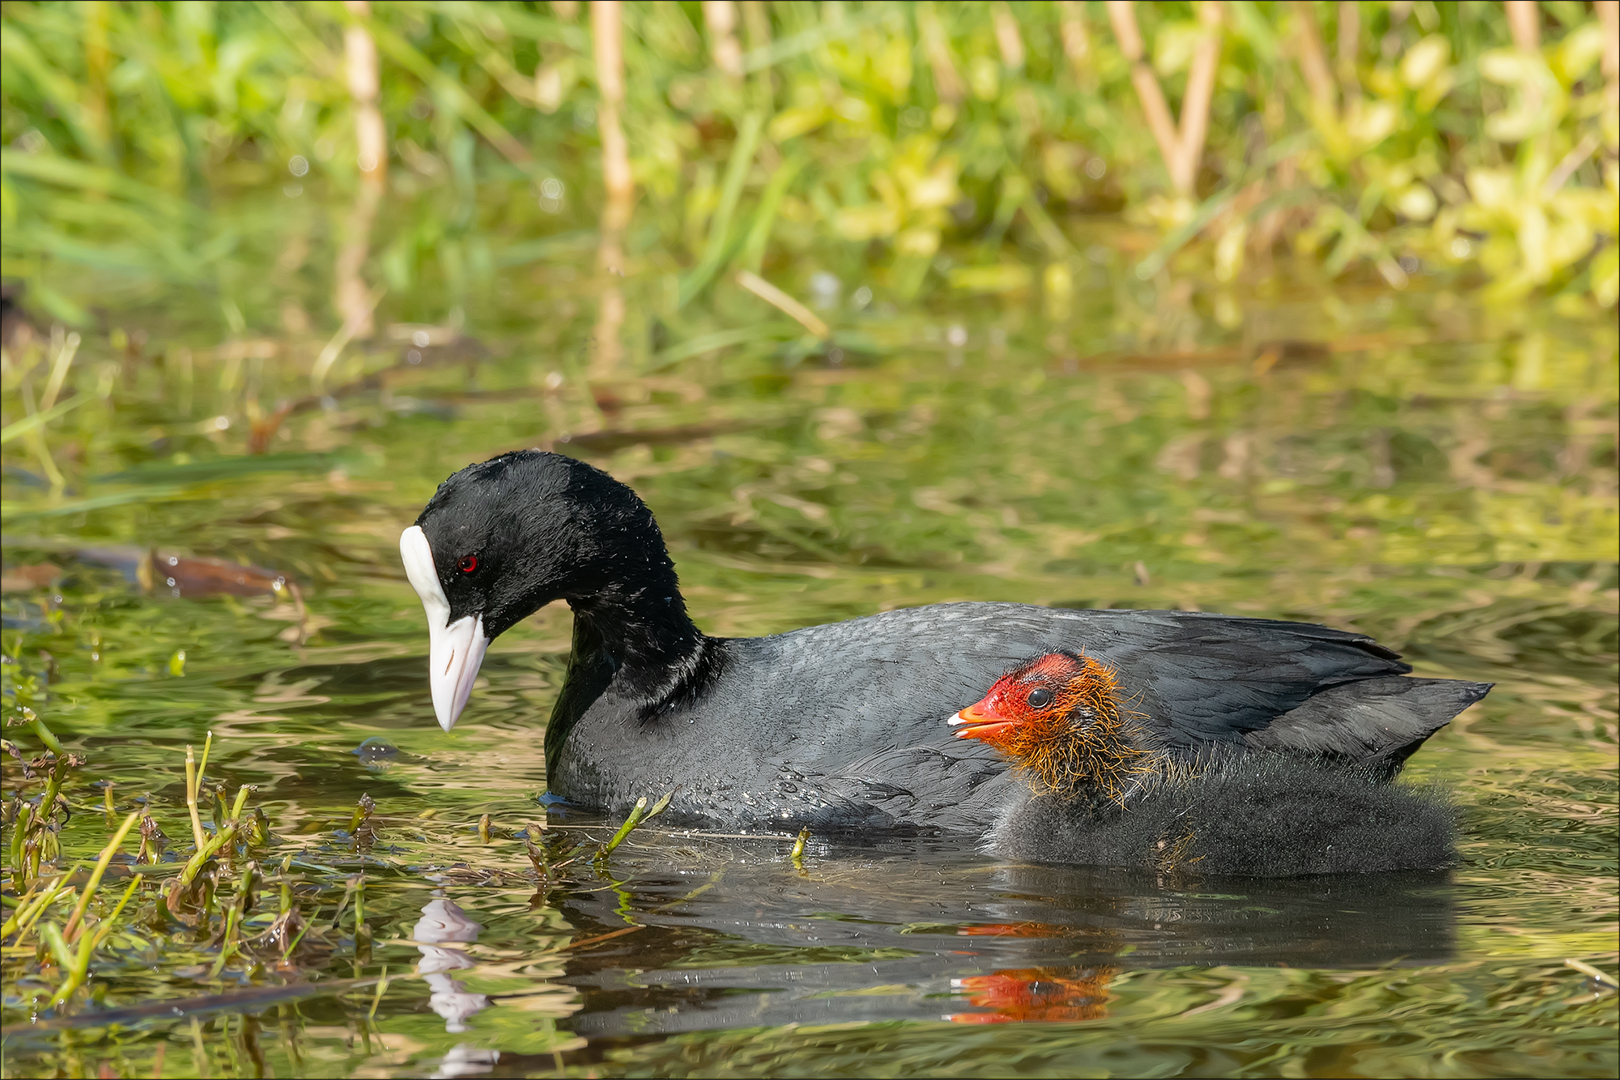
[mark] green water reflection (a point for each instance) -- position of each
(1421, 468)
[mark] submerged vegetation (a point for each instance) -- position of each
(240, 906)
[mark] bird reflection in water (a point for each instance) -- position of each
(1017, 994)
(1019, 929)
(443, 923)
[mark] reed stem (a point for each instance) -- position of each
(191, 799)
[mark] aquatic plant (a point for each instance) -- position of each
(208, 912)
(432, 149)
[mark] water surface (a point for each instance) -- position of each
(1428, 468)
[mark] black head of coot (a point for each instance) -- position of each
(515, 533)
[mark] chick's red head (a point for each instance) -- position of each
(1033, 703)
(1061, 721)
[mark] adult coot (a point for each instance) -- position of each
(839, 727)
(1101, 788)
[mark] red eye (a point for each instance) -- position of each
(468, 564)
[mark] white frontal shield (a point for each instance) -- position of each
(455, 650)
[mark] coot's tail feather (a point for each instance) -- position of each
(1378, 722)
(1260, 815)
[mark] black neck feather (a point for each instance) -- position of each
(644, 632)
(650, 653)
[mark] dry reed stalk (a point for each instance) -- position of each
(1524, 23)
(351, 296)
(1122, 16)
(1200, 95)
(1076, 39)
(783, 303)
(1313, 63)
(617, 181)
(1008, 39)
(1181, 149)
(360, 66)
(1349, 47)
(720, 17)
(948, 84)
(611, 311)
(371, 154)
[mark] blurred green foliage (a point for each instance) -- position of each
(945, 146)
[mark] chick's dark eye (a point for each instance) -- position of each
(468, 564)
(1040, 698)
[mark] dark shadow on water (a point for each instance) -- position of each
(737, 940)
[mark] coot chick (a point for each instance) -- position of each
(839, 727)
(1102, 790)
